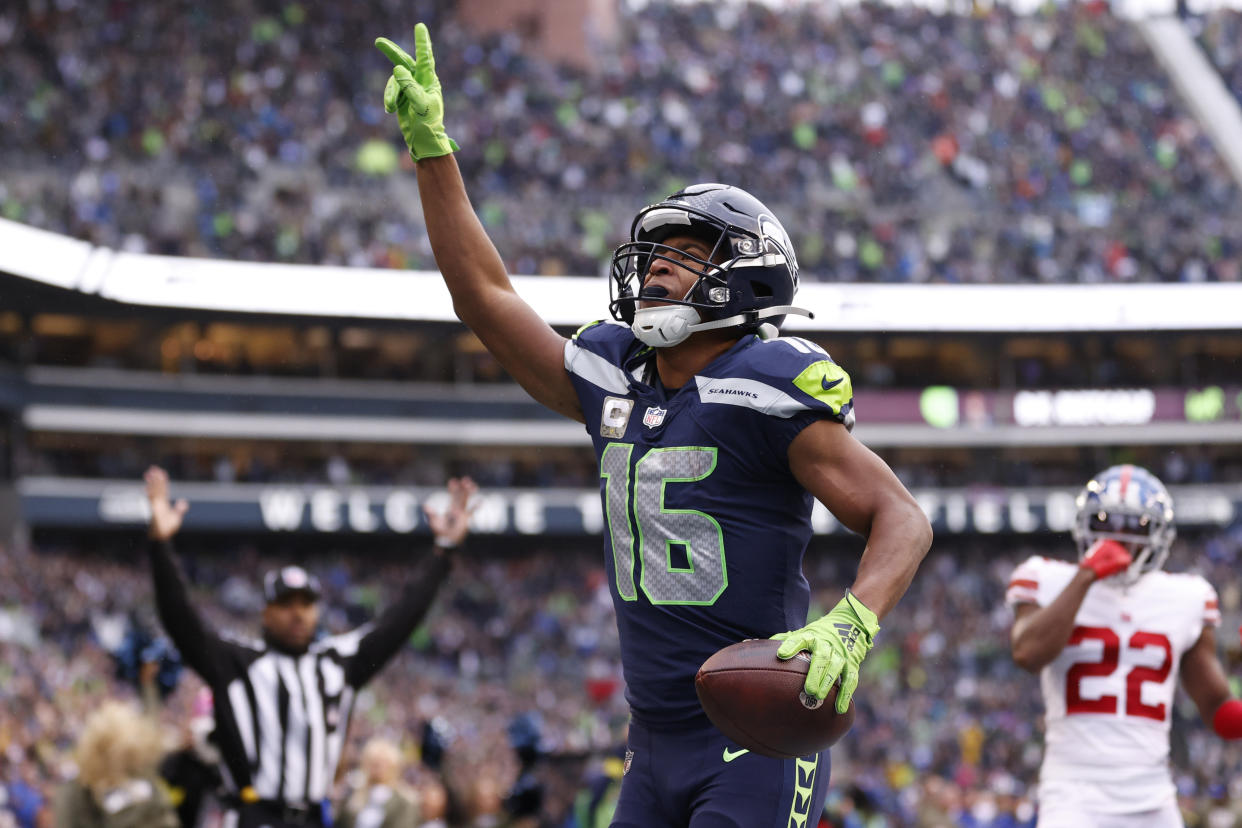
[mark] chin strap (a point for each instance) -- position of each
(751, 316)
(666, 325)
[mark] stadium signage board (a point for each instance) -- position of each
(58, 502)
(1084, 407)
(946, 407)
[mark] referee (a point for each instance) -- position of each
(282, 704)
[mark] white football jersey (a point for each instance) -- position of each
(1109, 694)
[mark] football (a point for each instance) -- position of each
(756, 699)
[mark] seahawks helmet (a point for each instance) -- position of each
(1130, 505)
(747, 282)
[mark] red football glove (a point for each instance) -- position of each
(1228, 720)
(1106, 558)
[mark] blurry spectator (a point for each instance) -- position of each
(192, 771)
(433, 804)
(117, 786)
(26, 804)
(596, 803)
(381, 800)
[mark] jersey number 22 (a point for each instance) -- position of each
(1110, 657)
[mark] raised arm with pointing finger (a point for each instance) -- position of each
(713, 436)
(483, 296)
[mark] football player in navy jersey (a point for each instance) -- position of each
(713, 436)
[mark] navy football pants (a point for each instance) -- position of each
(680, 779)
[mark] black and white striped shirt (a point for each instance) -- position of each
(282, 717)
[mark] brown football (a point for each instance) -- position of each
(756, 700)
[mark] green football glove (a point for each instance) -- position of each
(837, 643)
(413, 92)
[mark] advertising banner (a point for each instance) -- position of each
(260, 508)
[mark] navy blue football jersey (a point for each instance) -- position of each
(705, 524)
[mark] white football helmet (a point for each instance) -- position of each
(1130, 505)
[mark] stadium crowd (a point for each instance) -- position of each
(901, 145)
(947, 733)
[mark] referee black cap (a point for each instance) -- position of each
(288, 580)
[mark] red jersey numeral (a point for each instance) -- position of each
(1140, 675)
(1074, 702)
(1110, 658)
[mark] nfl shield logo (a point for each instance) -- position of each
(654, 416)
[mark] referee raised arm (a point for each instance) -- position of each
(282, 704)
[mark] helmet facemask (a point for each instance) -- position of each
(749, 276)
(1145, 527)
(632, 261)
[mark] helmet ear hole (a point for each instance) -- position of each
(761, 290)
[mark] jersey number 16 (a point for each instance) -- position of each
(682, 550)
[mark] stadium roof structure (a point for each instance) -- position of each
(212, 285)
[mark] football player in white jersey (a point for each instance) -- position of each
(1109, 636)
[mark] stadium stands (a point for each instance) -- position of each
(902, 145)
(910, 146)
(942, 711)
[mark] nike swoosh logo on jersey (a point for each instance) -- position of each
(828, 386)
(730, 755)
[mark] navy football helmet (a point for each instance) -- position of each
(747, 282)
(1130, 505)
